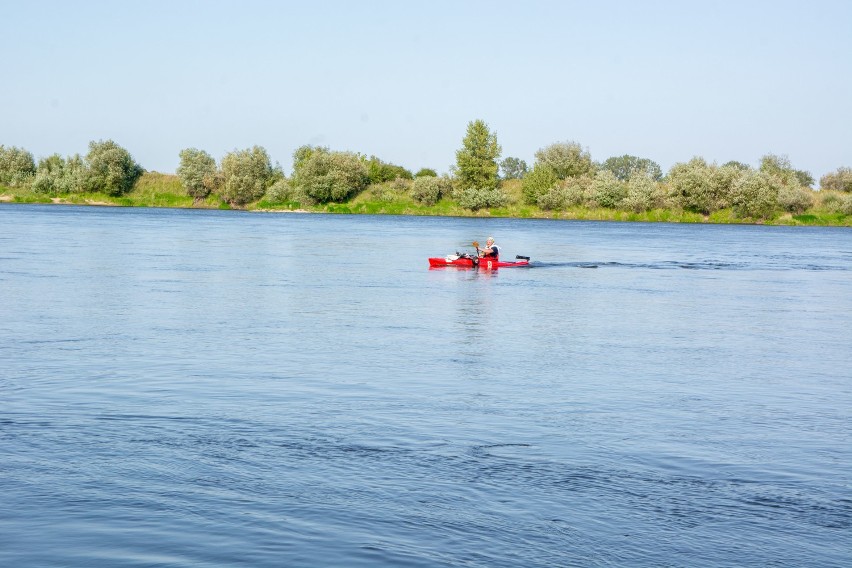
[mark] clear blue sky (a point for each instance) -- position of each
(666, 80)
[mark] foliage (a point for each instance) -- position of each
(701, 187)
(567, 193)
(643, 193)
(475, 198)
(476, 161)
(565, 159)
(606, 190)
(795, 199)
(737, 165)
(626, 167)
(302, 153)
(781, 167)
(58, 176)
(197, 172)
(246, 174)
(755, 194)
(541, 180)
(331, 176)
(430, 190)
(513, 168)
(426, 172)
(839, 180)
(17, 166)
(111, 168)
(379, 171)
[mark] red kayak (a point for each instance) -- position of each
(468, 261)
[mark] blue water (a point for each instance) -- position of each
(204, 388)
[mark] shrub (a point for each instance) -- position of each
(380, 172)
(700, 187)
(755, 195)
(426, 172)
(197, 172)
(831, 201)
(246, 174)
(567, 193)
(17, 166)
(482, 198)
(331, 176)
(538, 182)
(430, 190)
(626, 167)
(840, 180)
(846, 205)
(606, 190)
(111, 168)
(566, 159)
(781, 167)
(643, 194)
(795, 199)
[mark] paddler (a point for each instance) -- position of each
(490, 250)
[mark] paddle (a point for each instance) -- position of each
(476, 259)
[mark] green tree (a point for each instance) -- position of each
(781, 167)
(246, 174)
(380, 172)
(566, 159)
(839, 180)
(702, 187)
(538, 182)
(17, 166)
(111, 168)
(476, 161)
(755, 194)
(513, 168)
(426, 172)
(197, 172)
(625, 167)
(331, 176)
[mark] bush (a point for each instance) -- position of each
(246, 174)
(567, 193)
(626, 167)
(795, 199)
(697, 186)
(643, 194)
(840, 180)
(755, 195)
(831, 201)
(606, 190)
(331, 176)
(566, 159)
(846, 205)
(483, 198)
(430, 190)
(426, 172)
(111, 168)
(781, 167)
(538, 182)
(380, 172)
(17, 166)
(197, 172)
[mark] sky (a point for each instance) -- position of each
(401, 80)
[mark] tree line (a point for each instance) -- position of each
(563, 176)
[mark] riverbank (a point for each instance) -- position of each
(154, 189)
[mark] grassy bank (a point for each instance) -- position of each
(154, 189)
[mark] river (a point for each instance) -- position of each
(221, 388)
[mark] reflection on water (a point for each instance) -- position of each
(202, 388)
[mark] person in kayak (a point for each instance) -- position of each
(490, 250)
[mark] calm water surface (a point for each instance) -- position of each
(201, 388)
